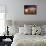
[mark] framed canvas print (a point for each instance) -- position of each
(30, 9)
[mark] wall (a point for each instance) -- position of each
(15, 10)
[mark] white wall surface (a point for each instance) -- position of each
(15, 10)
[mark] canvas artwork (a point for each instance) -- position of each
(30, 9)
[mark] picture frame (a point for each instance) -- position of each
(30, 9)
